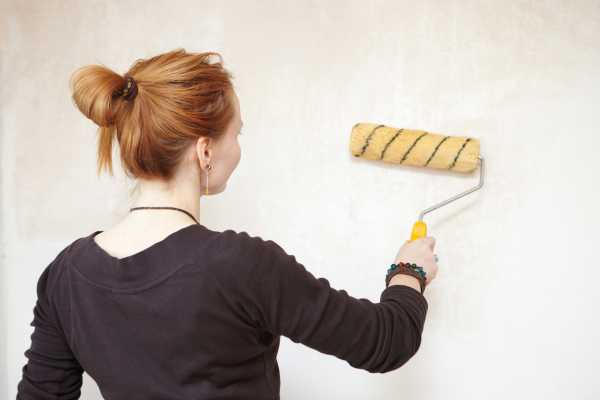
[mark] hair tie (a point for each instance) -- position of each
(130, 89)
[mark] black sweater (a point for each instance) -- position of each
(199, 315)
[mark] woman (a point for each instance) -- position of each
(162, 307)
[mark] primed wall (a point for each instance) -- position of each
(513, 312)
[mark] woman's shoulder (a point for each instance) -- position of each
(52, 273)
(246, 252)
(245, 242)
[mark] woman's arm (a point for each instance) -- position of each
(52, 371)
(289, 300)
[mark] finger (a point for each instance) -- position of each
(430, 240)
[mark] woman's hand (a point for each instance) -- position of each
(420, 252)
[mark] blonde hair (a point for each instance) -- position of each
(180, 97)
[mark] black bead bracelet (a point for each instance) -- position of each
(408, 269)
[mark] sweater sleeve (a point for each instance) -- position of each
(291, 301)
(52, 371)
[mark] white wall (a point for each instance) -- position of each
(513, 312)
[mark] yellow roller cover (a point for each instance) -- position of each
(414, 147)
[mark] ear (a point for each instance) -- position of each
(204, 151)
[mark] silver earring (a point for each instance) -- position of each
(208, 167)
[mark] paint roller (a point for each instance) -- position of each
(421, 149)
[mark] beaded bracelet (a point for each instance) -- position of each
(413, 266)
(408, 269)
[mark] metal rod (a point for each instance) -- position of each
(458, 196)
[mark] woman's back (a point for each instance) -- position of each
(198, 315)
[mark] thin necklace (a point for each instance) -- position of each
(165, 208)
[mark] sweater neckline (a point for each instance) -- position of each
(144, 268)
(153, 248)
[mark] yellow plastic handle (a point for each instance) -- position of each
(419, 231)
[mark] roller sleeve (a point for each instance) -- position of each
(414, 147)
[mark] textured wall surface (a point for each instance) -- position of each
(513, 312)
